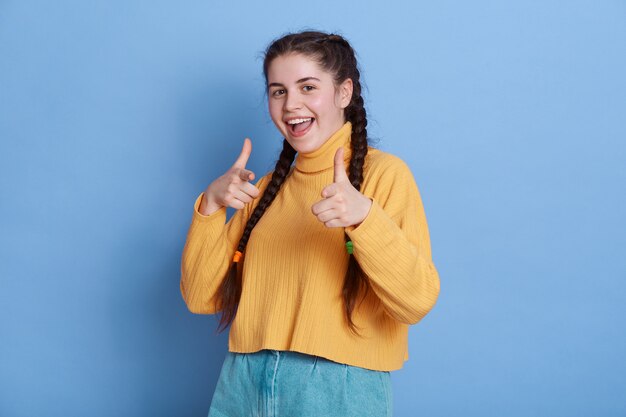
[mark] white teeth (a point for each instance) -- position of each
(295, 121)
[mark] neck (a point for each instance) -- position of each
(324, 157)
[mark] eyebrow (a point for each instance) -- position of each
(301, 80)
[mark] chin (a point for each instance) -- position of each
(298, 146)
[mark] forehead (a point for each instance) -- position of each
(291, 67)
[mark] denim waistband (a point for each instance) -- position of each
(277, 383)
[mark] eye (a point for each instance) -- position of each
(308, 86)
(276, 93)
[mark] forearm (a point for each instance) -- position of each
(205, 260)
(397, 263)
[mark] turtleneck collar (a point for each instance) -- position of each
(324, 157)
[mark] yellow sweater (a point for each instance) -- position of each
(294, 266)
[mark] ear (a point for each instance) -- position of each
(345, 93)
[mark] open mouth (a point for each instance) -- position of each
(301, 126)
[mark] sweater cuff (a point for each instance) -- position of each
(376, 224)
(199, 217)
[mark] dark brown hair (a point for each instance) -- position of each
(333, 54)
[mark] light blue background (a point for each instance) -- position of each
(114, 115)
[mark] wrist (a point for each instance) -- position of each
(368, 206)
(207, 205)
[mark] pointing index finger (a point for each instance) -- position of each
(246, 174)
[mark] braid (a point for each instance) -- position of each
(278, 177)
(358, 143)
(355, 278)
(345, 66)
(230, 289)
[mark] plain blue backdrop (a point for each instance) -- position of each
(115, 115)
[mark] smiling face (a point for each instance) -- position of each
(300, 91)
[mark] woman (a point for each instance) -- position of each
(320, 271)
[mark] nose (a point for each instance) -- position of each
(292, 102)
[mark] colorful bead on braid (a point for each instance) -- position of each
(349, 246)
(237, 256)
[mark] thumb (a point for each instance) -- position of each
(340, 170)
(242, 160)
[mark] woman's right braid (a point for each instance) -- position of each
(281, 170)
(231, 286)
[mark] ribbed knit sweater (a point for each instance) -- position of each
(294, 266)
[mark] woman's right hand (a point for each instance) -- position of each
(231, 189)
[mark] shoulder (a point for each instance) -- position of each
(262, 182)
(380, 164)
(265, 179)
(387, 177)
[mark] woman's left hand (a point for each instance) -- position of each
(342, 204)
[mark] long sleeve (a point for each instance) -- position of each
(208, 252)
(392, 246)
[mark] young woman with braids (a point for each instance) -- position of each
(320, 270)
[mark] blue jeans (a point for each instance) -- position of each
(276, 383)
